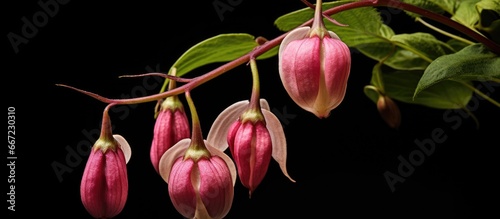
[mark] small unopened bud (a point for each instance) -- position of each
(171, 126)
(389, 111)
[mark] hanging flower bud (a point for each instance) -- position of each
(253, 135)
(251, 146)
(200, 183)
(228, 119)
(171, 126)
(389, 111)
(200, 177)
(104, 185)
(314, 66)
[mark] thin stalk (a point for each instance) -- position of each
(443, 32)
(255, 98)
(197, 149)
(377, 72)
(196, 135)
(483, 95)
(106, 129)
(324, 15)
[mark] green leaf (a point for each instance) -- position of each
(293, 19)
(474, 62)
(447, 5)
(386, 31)
(423, 44)
(364, 24)
(411, 51)
(466, 13)
(364, 27)
(371, 92)
(430, 5)
(489, 18)
(493, 31)
(400, 85)
(220, 48)
(457, 45)
(401, 59)
(370, 36)
(491, 10)
(376, 86)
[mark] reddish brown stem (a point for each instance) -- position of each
(195, 82)
(175, 78)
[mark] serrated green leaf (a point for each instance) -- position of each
(220, 48)
(293, 19)
(400, 85)
(447, 5)
(411, 51)
(401, 59)
(466, 13)
(474, 62)
(489, 18)
(423, 44)
(364, 24)
(365, 27)
(430, 5)
(493, 5)
(492, 8)
(386, 31)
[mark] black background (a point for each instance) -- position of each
(338, 162)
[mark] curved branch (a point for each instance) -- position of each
(259, 50)
(175, 78)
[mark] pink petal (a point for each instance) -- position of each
(296, 34)
(337, 65)
(229, 188)
(104, 184)
(171, 126)
(91, 189)
(278, 139)
(264, 104)
(230, 164)
(181, 186)
(252, 153)
(215, 187)
(127, 151)
(116, 181)
(299, 67)
(217, 136)
(168, 158)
